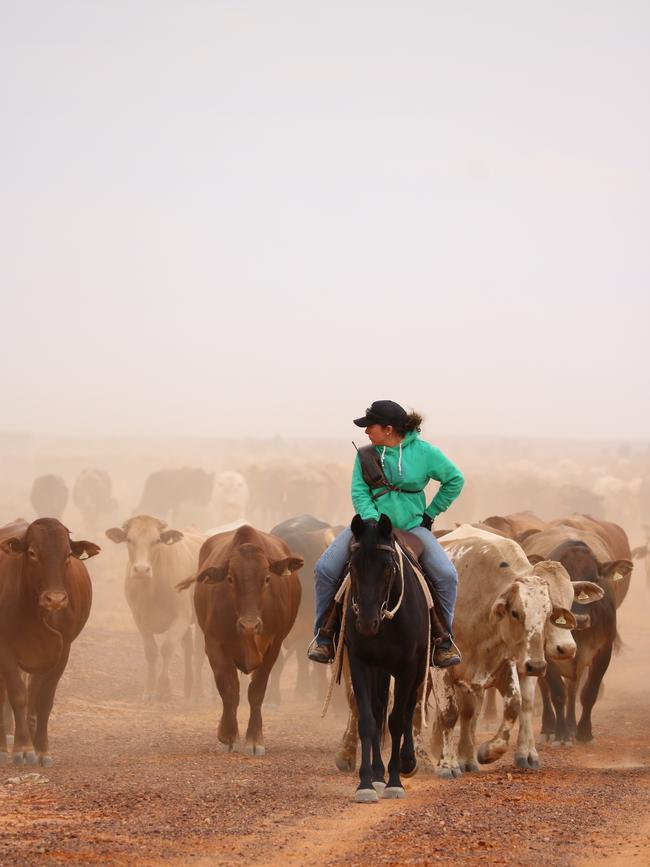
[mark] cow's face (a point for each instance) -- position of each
(143, 537)
(46, 551)
(231, 491)
(522, 615)
(247, 578)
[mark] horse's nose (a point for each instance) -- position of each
(368, 627)
(53, 600)
(249, 625)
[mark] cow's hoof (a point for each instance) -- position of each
(345, 763)
(444, 773)
(393, 792)
(251, 749)
(46, 761)
(26, 758)
(226, 748)
(378, 786)
(457, 771)
(584, 738)
(546, 737)
(470, 767)
(521, 762)
(366, 796)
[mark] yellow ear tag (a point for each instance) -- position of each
(617, 576)
(286, 572)
(582, 596)
(560, 621)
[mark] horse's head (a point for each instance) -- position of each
(372, 571)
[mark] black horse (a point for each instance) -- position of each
(382, 641)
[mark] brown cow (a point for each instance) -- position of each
(516, 526)
(246, 597)
(608, 542)
(45, 597)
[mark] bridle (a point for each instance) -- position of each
(385, 613)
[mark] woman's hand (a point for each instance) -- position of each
(427, 521)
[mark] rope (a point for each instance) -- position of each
(340, 647)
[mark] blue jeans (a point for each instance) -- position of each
(437, 567)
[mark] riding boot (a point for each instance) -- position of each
(321, 648)
(443, 654)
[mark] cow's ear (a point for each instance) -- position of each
(499, 608)
(357, 526)
(616, 570)
(169, 537)
(385, 526)
(212, 575)
(586, 592)
(640, 552)
(534, 559)
(286, 566)
(563, 618)
(116, 534)
(13, 546)
(79, 549)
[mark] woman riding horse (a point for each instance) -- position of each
(407, 463)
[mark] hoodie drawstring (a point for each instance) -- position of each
(399, 462)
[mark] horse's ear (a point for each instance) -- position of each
(385, 526)
(357, 526)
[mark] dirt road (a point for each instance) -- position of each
(137, 783)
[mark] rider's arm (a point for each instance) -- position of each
(361, 497)
(442, 470)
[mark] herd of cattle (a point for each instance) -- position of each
(537, 604)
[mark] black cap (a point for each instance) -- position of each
(383, 412)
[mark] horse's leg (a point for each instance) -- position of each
(361, 682)
(380, 694)
(408, 758)
(346, 757)
(508, 685)
(526, 753)
(442, 739)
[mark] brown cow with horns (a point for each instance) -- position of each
(246, 598)
(45, 596)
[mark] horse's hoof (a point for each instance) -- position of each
(378, 786)
(345, 763)
(366, 796)
(409, 770)
(393, 792)
(46, 761)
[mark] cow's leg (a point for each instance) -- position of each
(44, 686)
(151, 655)
(23, 750)
(590, 690)
(273, 689)
(558, 693)
(470, 707)
(507, 683)
(346, 757)
(548, 714)
(571, 693)
(170, 642)
(490, 707)
(4, 757)
(227, 681)
(188, 676)
(526, 753)
(256, 690)
(442, 736)
(198, 659)
(422, 756)
(361, 682)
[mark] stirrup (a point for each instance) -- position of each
(324, 653)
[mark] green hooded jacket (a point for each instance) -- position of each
(409, 465)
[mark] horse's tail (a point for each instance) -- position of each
(381, 694)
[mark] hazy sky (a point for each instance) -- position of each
(264, 215)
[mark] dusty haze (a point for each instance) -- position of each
(233, 216)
